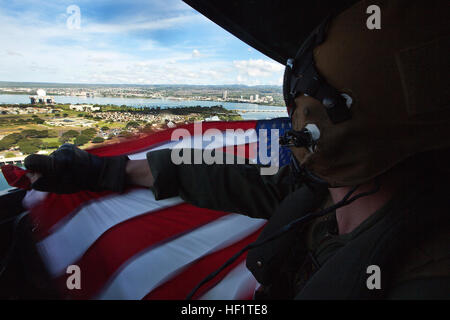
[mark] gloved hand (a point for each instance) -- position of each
(70, 169)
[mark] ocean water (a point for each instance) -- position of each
(3, 184)
(252, 111)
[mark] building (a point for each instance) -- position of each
(213, 118)
(41, 98)
(84, 107)
(225, 94)
(256, 97)
(269, 98)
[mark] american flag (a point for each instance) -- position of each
(130, 246)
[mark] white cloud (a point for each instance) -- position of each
(141, 25)
(13, 53)
(258, 68)
(35, 50)
(258, 71)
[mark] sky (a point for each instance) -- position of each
(124, 42)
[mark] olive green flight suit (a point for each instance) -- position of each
(421, 271)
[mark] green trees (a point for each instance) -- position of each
(68, 135)
(104, 128)
(38, 120)
(9, 141)
(29, 146)
(98, 140)
(81, 139)
(35, 133)
(30, 133)
(147, 128)
(63, 139)
(132, 124)
(28, 141)
(71, 134)
(90, 133)
(51, 145)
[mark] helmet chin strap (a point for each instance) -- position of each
(301, 175)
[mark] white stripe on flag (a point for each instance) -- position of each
(205, 142)
(71, 239)
(238, 284)
(147, 270)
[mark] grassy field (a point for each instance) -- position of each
(49, 140)
(4, 130)
(111, 125)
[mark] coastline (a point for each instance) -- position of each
(152, 98)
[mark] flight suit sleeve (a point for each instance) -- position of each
(238, 188)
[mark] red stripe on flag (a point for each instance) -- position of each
(248, 297)
(180, 286)
(56, 207)
(153, 139)
(128, 238)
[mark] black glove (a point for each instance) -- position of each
(70, 169)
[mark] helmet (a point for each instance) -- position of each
(374, 97)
